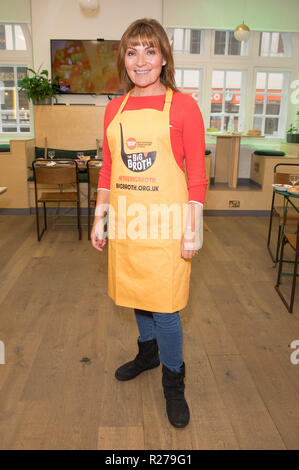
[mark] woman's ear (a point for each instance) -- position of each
(164, 62)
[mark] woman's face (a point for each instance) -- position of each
(144, 65)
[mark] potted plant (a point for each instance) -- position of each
(39, 87)
(292, 135)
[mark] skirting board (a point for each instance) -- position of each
(208, 212)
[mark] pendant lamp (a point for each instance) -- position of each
(242, 32)
(90, 5)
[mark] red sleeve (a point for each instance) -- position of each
(194, 149)
(105, 173)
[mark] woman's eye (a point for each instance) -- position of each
(130, 53)
(151, 51)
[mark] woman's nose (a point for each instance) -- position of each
(140, 59)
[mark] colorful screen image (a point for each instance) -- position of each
(85, 66)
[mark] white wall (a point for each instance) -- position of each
(15, 11)
(63, 19)
(259, 15)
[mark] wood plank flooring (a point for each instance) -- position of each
(64, 338)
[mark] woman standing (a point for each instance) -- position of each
(149, 133)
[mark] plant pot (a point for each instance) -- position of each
(47, 100)
(293, 138)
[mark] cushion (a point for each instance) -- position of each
(39, 153)
(4, 148)
(274, 153)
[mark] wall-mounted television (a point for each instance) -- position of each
(85, 66)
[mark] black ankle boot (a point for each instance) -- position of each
(176, 405)
(147, 358)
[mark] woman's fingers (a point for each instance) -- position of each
(98, 244)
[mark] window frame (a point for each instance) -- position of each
(200, 70)
(282, 116)
(18, 58)
(246, 45)
(242, 107)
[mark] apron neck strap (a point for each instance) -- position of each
(168, 100)
(123, 103)
(167, 103)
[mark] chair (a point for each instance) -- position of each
(292, 215)
(93, 169)
(293, 241)
(63, 172)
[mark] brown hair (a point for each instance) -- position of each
(148, 32)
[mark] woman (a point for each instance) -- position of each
(148, 134)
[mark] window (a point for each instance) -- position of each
(226, 44)
(188, 41)
(15, 57)
(270, 99)
(226, 100)
(12, 37)
(275, 44)
(14, 105)
(189, 82)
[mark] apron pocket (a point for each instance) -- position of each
(144, 275)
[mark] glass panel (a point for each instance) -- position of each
(261, 81)
(178, 40)
(275, 81)
(216, 101)
(264, 44)
(9, 129)
(234, 46)
(7, 76)
(215, 121)
(233, 80)
(271, 125)
(273, 104)
(19, 38)
(217, 79)
(259, 104)
(257, 123)
(191, 79)
(234, 120)
(2, 37)
(280, 46)
(24, 117)
(9, 101)
(25, 129)
(232, 105)
(23, 100)
(178, 77)
(195, 41)
(8, 37)
(220, 42)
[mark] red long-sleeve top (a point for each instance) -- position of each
(187, 136)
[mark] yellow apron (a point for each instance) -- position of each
(145, 267)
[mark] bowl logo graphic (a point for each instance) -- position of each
(138, 161)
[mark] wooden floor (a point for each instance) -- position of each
(64, 339)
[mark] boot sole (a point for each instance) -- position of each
(131, 378)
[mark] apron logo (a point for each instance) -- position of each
(136, 162)
(131, 143)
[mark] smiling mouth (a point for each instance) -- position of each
(141, 71)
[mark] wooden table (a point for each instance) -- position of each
(227, 158)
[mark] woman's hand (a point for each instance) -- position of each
(97, 236)
(188, 244)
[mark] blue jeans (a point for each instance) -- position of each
(167, 329)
